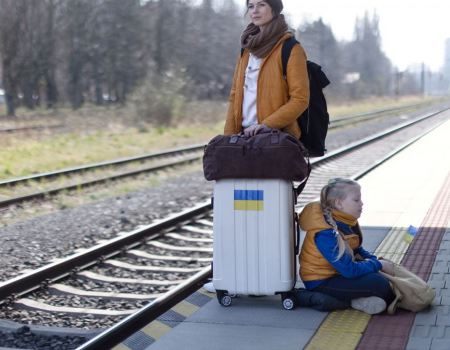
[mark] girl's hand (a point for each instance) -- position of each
(388, 267)
(252, 130)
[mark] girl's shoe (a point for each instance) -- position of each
(209, 287)
(369, 305)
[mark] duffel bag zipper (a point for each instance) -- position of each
(235, 147)
(289, 147)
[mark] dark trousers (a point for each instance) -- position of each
(345, 289)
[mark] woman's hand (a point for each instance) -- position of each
(387, 267)
(252, 130)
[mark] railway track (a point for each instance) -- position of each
(85, 176)
(365, 117)
(31, 128)
(163, 160)
(370, 114)
(172, 255)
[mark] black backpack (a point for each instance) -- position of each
(314, 120)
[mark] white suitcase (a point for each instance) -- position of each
(255, 244)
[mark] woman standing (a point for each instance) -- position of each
(261, 96)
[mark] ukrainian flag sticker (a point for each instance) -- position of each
(249, 200)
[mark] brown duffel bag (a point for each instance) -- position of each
(271, 154)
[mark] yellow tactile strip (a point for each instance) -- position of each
(158, 328)
(343, 329)
(121, 347)
(393, 247)
(184, 308)
(349, 321)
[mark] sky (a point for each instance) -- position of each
(412, 31)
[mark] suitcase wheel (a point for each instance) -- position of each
(225, 301)
(223, 297)
(289, 303)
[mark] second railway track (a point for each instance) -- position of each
(115, 278)
(81, 177)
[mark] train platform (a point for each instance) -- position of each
(410, 189)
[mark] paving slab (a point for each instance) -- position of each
(226, 337)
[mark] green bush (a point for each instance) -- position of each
(159, 99)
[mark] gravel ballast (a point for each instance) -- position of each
(24, 339)
(32, 243)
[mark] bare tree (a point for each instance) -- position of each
(11, 13)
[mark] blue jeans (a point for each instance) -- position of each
(345, 289)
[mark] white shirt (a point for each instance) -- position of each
(249, 116)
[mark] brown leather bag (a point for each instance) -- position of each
(271, 154)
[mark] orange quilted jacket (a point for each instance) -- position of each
(279, 101)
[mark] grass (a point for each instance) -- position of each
(100, 133)
(116, 138)
(21, 158)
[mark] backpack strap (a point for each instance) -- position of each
(288, 44)
(242, 51)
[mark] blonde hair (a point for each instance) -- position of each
(336, 189)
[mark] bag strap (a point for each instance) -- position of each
(301, 187)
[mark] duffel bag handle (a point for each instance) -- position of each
(275, 135)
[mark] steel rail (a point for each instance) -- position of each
(138, 320)
(52, 174)
(121, 331)
(31, 281)
(51, 126)
(387, 110)
(36, 127)
(375, 137)
(198, 147)
(336, 124)
(44, 194)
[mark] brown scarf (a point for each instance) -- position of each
(261, 43)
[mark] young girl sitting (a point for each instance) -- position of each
(332, 259)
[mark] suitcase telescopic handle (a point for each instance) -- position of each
(297, 237)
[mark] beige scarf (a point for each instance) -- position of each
(261, 43)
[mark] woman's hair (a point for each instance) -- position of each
(275, 5)
(336, 189)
